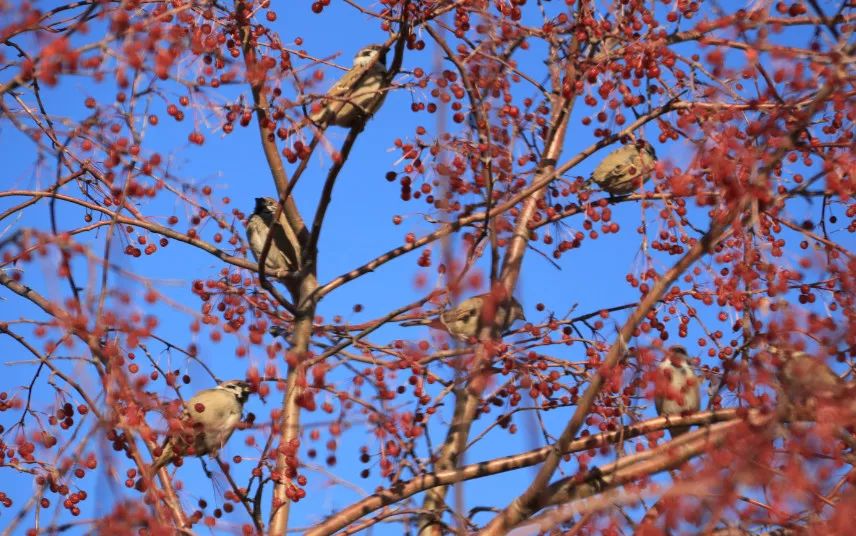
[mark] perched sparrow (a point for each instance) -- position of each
(259, 225)
(808, 385)
(464, 321)
(604, 45)
(676, 387)
(625, 169)
(358, 93)
(211, 416)
(803, 376)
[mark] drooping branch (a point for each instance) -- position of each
(48, 363)
(75, 326)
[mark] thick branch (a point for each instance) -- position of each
(503, 464)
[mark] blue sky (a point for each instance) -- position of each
(358, 228)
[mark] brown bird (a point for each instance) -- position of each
(808, 385)
(803, 376)
(259, 225)
(359, 93)
(676, 387)
(466, 320)
(209, 419)
(625, 169)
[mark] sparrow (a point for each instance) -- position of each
(358, 94)
(802, 376)
(466, 320)
(209, 419)
(261, 223)
(625, 169)
(808, 385)
(603, 45)
(676, 387)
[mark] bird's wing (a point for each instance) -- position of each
(212, 395)
(225, 420)
(350, 80)
(617, 164)
(622, 169)
(664, 380)
(256, 231)
(279, 236)
(462, 312)
(696, 391)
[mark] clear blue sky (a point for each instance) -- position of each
(358, 228)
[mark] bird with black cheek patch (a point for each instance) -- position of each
(676, 389)
(358, 94)
(624, 170)
(259, 225)
(209, 418)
